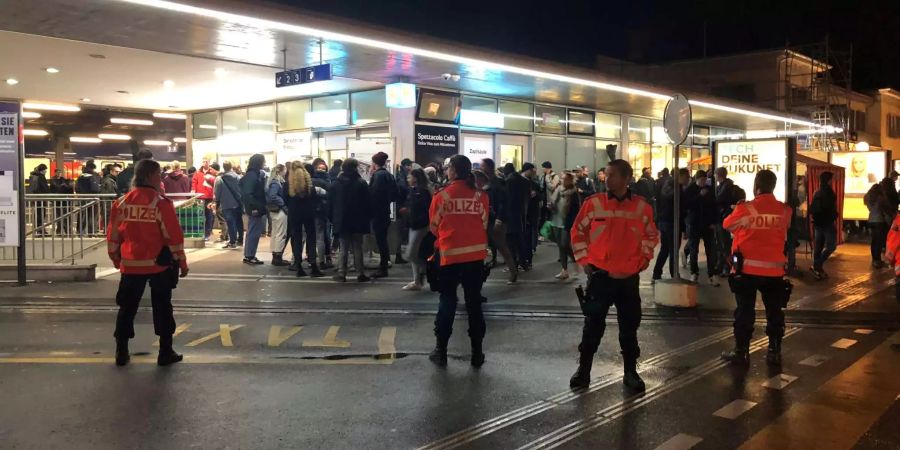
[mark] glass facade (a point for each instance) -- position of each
(261, 118)
(234, 121)
(581, 122)
(517, 116)
(608, 126)
(550, 148)
(479, 103)
(292, 115)
(205, 125)
(368, 107)
(638, 129)
(549, 119)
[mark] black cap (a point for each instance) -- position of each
(547, 165)
(527, 166)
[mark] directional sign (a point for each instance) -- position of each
(303, 75)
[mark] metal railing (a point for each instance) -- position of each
(63, 228)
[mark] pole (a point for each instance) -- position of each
(675, 256)
(20, 174)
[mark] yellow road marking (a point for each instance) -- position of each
(276, 338)
(330, 340)
(178, 330)
(838, 413)
(224, 334)
(386, 341)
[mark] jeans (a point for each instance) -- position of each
(625, 295)
(879, 239)
(323, 240)
(297, 229)
(279, 232)
(412, 254)
(565, 247)
(825, 244)
(723, 241)
(745, 313)
(131, 289)
(352, 242)
(208, 217)
(380, 228)
(707, 235)
(232, 218)
(499, 243)
(255, 225)
(666, 252)
(471, 276)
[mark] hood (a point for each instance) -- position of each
(175, 175)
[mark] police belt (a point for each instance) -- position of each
(740, 283)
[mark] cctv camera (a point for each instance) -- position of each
(446, 76)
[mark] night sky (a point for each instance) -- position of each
(646, 31)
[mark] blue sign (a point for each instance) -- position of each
(304, 75)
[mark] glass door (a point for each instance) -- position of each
(511, 149)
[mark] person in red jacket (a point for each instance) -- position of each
(203, 183)
(613, 238)
(145, 241)
(757, 252)
(458, 219)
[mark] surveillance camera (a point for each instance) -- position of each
(446, 76)
(454, 77)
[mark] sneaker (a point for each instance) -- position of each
(252, 261)
(655, 279)
(695, 278)
(229, 247)
(563, 275)
(817, 274)
(413, 286)
(714, 281)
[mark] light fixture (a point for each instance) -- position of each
(157, 143)
(168, 83)
(862, 146)
(85, 140)
(52, 70)
(114, 137)
(220, 72)
(208, 127)
(180, 140)
(69, 153)
(12, 81)
(85, 99)
(126, 121)
(165, 115)
(34, 132)
(51, 107)
(31, 115)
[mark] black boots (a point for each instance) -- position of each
(477, 354)
(439, 354)
(167, 354)
(399, 259)
(122, 355)
(278, 261)
(300, 271)
(740, 355)
(632, 379)
(582, 376)
(380, 273)
(773, 357)
(314, 271)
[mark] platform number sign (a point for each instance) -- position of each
(303, 75)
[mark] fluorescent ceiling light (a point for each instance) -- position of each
(12, 81)
(165, 115)
(126, 154)
(326, 118)
(471, 62)
(229, 127)
(114, 137)
(51, 107)
(69, 153)
(85, 140)
(52, 70)
(180, 140)
(31, 115)
(159, 143)
(208, 127)
(34, 132)
(125, 121)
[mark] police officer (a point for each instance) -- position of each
(760, 229)
(458, 220)
(145, 243)
(613, 239)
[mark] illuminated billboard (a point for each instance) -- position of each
(861, 171)
(743, 159)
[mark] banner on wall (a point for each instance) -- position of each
(477, 148)
(861, 171)
(743, 159)
(435, 143)
(9, 174)
(293, 147)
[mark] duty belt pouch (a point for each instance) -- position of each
(168, 277)
(785, 290)
(590, 304)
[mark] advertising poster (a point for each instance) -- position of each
(9, 165)
(743, 159)
(477, 148)
(434, 143)
(363, 149)
(293, 147)
(861, 171)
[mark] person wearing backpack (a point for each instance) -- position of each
(253, 197)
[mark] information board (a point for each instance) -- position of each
(9, 174)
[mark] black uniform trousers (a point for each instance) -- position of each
(471, 276)
(625, 295)
(380, 226)
(131, 289)
(745, 288)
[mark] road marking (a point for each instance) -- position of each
(844, 343)
(276, 337)
(196, 359)
(863, 331)
(814, 361)
(330, 340)
(779, 381)
(178, 330)
(60, 353)
(106, 272)
(735, 409)
(386, 341)
(224, 334)
(840, 411)
(490, 426)
(680, 441)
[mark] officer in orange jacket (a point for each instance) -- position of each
(892, 252)
(613, 239)
(458, 220)
(145, 242)
(757, 253)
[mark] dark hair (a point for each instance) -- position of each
(41, 167)
(622, 167)
(421, 178)
(700, 174)
(825, 177)
(309, 168)
(337, 163)
(142, 172)
(488, 165)
(406, 162)
(214, 166)
(509, 169)
(256, 162)
(318, 161)
(765, 181)
(143, 154)
(89, 167)
(349, 165)
(684, 172)
(380, 158)
(463, 168)
(721, 171)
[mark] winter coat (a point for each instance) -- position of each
(725, 199)
(700, 207)
(253, 192)
(61, 186)
(322, 182)
(275, 195)
(37, 184)
(176, 182)
(533, 213)
(109, 185)
(88, 183)
(349, 205)
(383, 191)
(518, 192)
(418, 203)
(123, 181)
(227, 191)
(823, 209)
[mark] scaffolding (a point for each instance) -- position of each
(816, 83)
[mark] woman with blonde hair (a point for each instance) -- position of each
(301, 205)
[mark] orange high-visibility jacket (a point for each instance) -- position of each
(459, 217)
(614, 235)
(140, 224)
(893, 245)
(760, 228)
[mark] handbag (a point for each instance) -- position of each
(549, 232)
